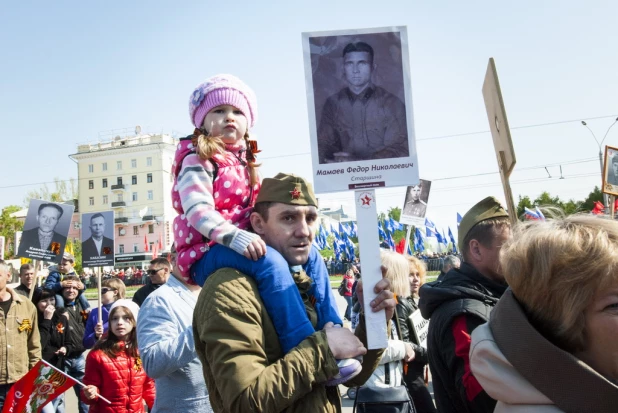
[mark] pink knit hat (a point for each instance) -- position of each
(222, 90)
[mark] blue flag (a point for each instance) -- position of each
(429, 224)
(450, 234)
(418, 241)
(430, 232)
(459, 218)
(381, 232)
(354, 232)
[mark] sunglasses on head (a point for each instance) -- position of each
(153, 272)
(105, 290)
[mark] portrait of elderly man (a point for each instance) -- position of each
(44, 236)
(362, 121)
(612, 173)
(97, 245)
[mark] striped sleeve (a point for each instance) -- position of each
(196, 196)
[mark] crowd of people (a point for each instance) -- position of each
(241, 317)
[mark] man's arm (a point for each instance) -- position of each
(231, 342)
(162, 347)
(455, 351)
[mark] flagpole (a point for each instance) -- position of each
(74, 379)
(99, 295)
(408, 232)
(36, 275)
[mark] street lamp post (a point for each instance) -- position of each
(600, 144)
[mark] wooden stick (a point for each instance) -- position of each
(408, 232)
(99, 295)
(36, 274)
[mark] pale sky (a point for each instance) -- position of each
(72, 70)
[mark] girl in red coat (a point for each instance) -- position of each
(114, 368)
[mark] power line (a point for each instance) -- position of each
(420, 139)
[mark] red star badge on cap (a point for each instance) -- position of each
(295, 193)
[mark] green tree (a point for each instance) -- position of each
(62, 192)
(595, 195)
(8, 226)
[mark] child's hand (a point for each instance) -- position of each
(98, 330)
(256, 249)
(90, 392)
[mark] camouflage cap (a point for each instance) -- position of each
(287, 189)
(488, 208)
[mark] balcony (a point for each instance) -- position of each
(148, 218)
(121, 220)
(119, 187)
(119, 204)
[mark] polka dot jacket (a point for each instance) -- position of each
(214, 199)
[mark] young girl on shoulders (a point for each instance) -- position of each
(114, 368)
(216, 184)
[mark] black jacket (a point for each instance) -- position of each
(456, 306)
(76, 329)
(405, 308)
(53, 333)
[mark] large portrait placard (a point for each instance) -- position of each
(45, 231)
(359, 101)
(98, 239)
(415, 205)
(610, 171)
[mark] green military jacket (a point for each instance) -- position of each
(19, 339)
(244, 367)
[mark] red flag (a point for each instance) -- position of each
(401, 245)
(39, 386)
(599, 208)
(146, 249)
(154, 251)
(160, 241)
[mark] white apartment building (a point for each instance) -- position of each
(130, 175)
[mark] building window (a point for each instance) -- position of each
(121, 249)
(149, 161)
(75, 225)
(151, 246)
(133, 163)
(119, 180)
(151, 228)
(105, 166)
(120, 231)
(91, 201)
(135, 230)
(149, 178)
(119, 165)
(135, 248)
(134, 196)
(105, 200)
(91, 168)
(119, 197)
(104, 182)
(91, 184)
(134, 179)
(150, 195)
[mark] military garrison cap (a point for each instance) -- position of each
(287, 189)
(488, 208)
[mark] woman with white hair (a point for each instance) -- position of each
(551, 344)
(388, 372)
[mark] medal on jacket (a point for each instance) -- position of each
(138, 364)
(60, 328)
(55, 247)
(25, 325)
(107, 250)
